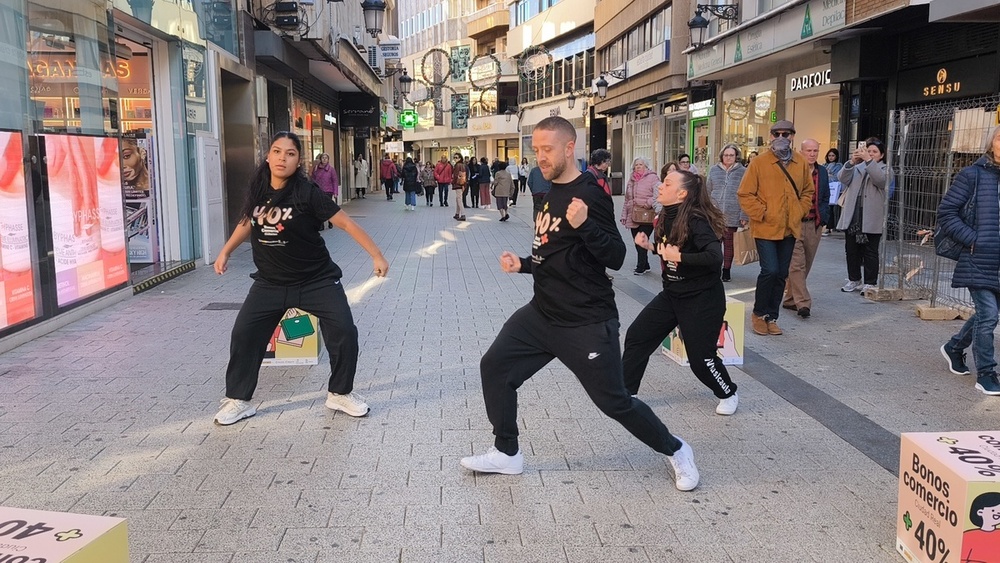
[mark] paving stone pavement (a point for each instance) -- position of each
(113, 415)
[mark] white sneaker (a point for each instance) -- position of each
(495, 461)
(234, 410)
(866, 287)
(728, 405)
(851, 286)
(350, 403)
(685, 472)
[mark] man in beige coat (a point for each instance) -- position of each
(776, 194)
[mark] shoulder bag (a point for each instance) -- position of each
(944, 245)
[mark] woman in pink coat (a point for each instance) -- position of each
(640, 194)
(326, 177)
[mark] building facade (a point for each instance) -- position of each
(128, 130)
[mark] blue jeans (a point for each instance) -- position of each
(775, 257)
(978, 331)
(411, 198)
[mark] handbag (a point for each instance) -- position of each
(297, 327)
(744, 247)
(944, 245)
(643, 215)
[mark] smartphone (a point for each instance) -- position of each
(862, 145)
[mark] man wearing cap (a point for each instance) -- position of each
(776, 194)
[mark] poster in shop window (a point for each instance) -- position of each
(17, 288)
(137, 183)
(85, 208)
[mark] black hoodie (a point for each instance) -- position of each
(568, 265)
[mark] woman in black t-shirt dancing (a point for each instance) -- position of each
(686, 237)
(282, 215)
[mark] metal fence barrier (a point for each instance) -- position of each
(927, 146)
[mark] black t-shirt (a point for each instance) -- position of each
(701, 258)
(287, 246)
(568, 265)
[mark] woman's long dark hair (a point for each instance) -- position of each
(260, 182)
(697, 204)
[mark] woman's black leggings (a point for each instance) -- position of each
(700, 319)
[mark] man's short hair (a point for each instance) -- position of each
(599, 157)
(559, 125)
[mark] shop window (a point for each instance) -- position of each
(64, 44)
(747, 121)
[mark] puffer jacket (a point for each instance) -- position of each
(979, 264)
(411, 177)
(853, 178)
(722, 185)
(641, 193)
(770, 200)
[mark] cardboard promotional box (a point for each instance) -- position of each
(730, 338)
(295, 341)
(949, 497)
(59, 537)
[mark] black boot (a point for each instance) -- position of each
(725, 275)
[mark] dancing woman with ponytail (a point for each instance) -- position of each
(687, 239)
(282, 215)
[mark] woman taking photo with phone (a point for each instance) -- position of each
(864, 180)
(282, 216)
(687, 239)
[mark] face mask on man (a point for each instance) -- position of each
(782, 147)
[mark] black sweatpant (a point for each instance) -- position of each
(700, 319)
(527, 342)
(264, 307)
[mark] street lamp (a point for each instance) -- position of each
(602, 83)
(405, 81)
(571, 100)
(699, 24)
(374, 11)
(511, 112)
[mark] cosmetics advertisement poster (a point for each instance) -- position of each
(136, 183)
(87, 215)
(17, 287)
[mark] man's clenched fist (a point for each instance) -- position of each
(576, 213)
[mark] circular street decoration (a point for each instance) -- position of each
(487, 101)
(442, 101)
(535, 63)
(485, 72)
(420, 93)
(437, 62)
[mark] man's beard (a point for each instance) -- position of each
(557, 170)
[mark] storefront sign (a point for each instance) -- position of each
(702, 109)
(408, 119)
(329, 119)
(391, 49)
(359, 110)
(658, 54)
(810, 82)
(393, 146)
(801, 24)
(956, 79)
